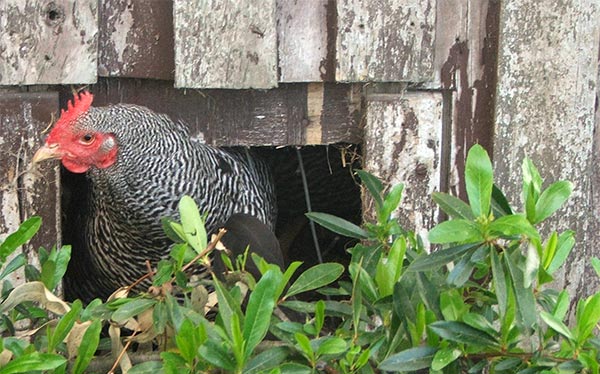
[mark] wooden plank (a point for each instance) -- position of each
(25, 192)
(548, 69)
(47, 42)
(136, 39)
(306, 47)
(274, 117)
(402, 144)
(385, 41)
(225, 44)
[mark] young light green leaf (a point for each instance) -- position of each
(88, 347)
(409, 360)
(228, 305)
(192, 223)
(479, 180)
(315, 277)
(566, 242)
(26, 231)
(64, 325)
(552, 199)
(455, 231)
(556, 325)
(596, 265)
(33, 362)
(338, 225)
(453, 206)
(444, 357)
(513, 225)
(331, 345)
(259, 309)
(391, 202)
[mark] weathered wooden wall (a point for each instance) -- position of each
(545, 110)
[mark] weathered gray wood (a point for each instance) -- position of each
(280, 116)
(402, 144)
(302, 27)
(47, 42)
(548, 67)
(225, 44)
(136, 39)
(25, 192)
(385, 41)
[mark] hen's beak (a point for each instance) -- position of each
(46, 152)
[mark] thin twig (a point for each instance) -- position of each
(121, 354)
(208, 249)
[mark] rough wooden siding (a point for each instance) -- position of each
(136, 39)
(225, 44)
(47, 42)
(287, 115)
(402, 144)
(25, 192)
(306, 49)
(545, 110)
(385, 41)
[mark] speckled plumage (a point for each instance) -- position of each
(157, 163)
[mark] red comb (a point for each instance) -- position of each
(80, 104)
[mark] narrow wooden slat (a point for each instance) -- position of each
(136, 39)
(402, 144)
(47, 42)
(24, 191)
(545, 110)
(385, 41)
(304, 52)
(225, 44)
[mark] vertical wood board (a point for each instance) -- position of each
(385, 41)
(136, 39)
(545, 110)
(304, 51)
(225, 44)
(402, 144)
(47, 42)
(26, 191)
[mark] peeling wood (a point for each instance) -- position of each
(402, 143)
(545, 110)
(225, 44)
(136, 39)
(47, 42)
(25, 192)
(314, 102)
(385, 41)
(302, 31)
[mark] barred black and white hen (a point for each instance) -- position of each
(140, 164)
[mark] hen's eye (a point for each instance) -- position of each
(87, 138)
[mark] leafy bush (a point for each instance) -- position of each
(480, 303)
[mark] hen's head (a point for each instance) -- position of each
(78, 146)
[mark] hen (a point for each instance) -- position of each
(140, 164)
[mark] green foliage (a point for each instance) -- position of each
(480, 302)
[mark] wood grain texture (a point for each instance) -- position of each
(385, 41)
(136, 39)
(545, 110)
(302, 30)
(276, 117)
(402, 142)
(225, 44)
(47, 42)
(24, 191)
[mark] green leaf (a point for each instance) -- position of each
(453, 206)
(64, 325)
(14, 264)
(499, 281)
(132, 308)
(566, 241)
(452, 305)
(148, 367)
(26, 231)
(479, 180)
(439, 258)
(391, 202)
(88, 347)
(193, 224)
(260, 308)
(524, 295)
(595, 264)
(189, 338)
(33, 362)
(216, 355)
(455, 231)
(460, 332)
(303, 343)
(409, 360)
(444, 357)
(331, 345)
(364, 280)
(531, 177)
(374, 186)
(500, 204)
(513, 225)
(556, 325)
(552, 199)
(266, 360)
(228, 305)
(338, 225)
(315, 277)
(479, 322)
